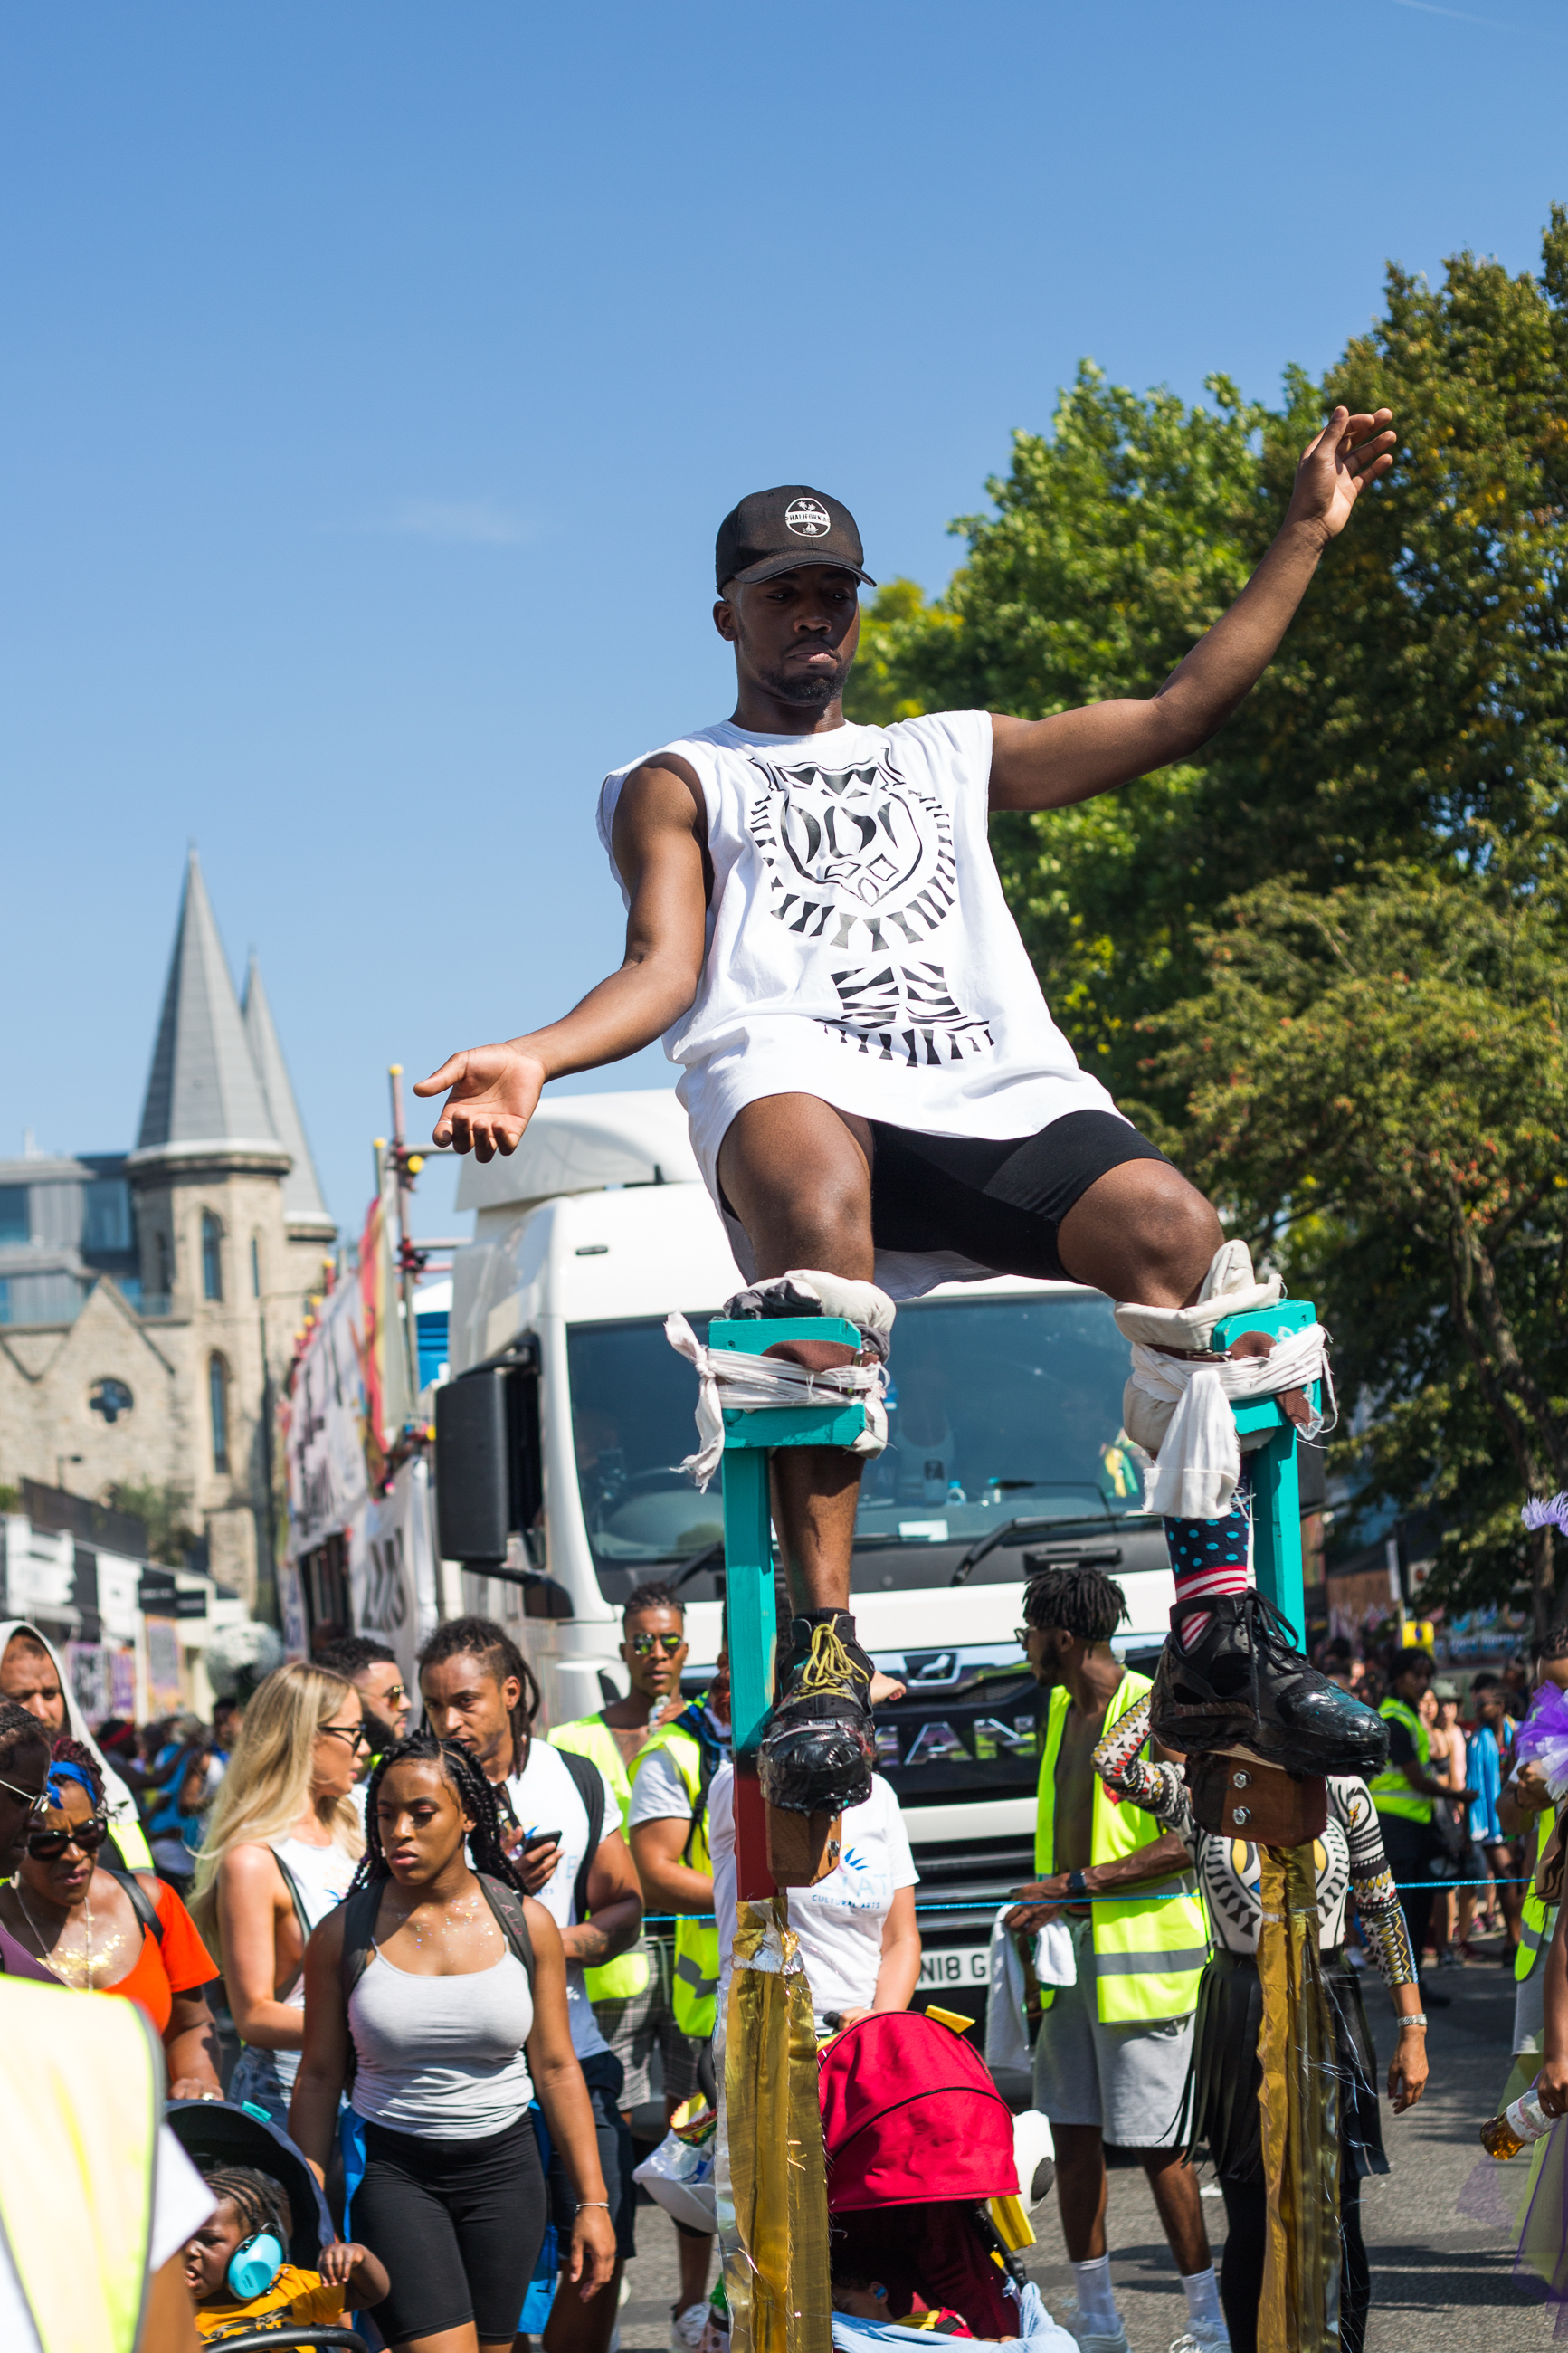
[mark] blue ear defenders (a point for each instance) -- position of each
(255, 2264)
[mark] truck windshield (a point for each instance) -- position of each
(997, 1408)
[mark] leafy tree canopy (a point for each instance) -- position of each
(1324, 958)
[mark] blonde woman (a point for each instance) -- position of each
(281, 1847)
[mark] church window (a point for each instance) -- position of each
(110, 1398)
(212, 1256)
(217, 1400)
(255, 1266)
(165, 1265)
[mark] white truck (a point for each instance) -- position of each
(1004, 1416)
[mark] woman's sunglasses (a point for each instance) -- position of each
(354, 1733)
(643, 1646)
(47, 1846)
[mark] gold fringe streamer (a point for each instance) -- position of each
(1299, 2311)
(777, 2284)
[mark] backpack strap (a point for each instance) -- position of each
(359, 1909)
(590, 1786)
(295, 1897)
(506, 1904)
(141, 1903)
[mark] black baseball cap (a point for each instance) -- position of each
(778, 531)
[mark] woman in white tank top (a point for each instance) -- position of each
(448, 2036)
(280, 1853)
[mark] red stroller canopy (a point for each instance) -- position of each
(911, 2116)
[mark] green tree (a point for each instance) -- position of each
(165, 1509)
(1375, 1090)
(1416, 712)
(1401, 769)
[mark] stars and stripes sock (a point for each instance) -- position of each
(1209, 1557)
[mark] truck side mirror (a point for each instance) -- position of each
(488, 1483)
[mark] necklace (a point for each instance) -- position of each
(46, 1954)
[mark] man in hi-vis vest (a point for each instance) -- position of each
(1111, 2062)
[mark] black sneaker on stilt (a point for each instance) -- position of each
(1244, 1684)
(816, 1750)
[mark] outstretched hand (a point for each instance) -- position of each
(495, 1091)
(1336, 465)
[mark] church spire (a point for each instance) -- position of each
(204, 1095)
(304, 1210)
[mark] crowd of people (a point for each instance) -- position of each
(419, 1964)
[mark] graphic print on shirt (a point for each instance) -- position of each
(860, 858)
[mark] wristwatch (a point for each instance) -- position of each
(1077, 1886)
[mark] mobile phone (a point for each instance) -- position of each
(539, 1837)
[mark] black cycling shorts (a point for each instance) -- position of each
(459, 2224)
(998, 1203)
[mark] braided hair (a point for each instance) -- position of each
(260, 2202)
(1081, 1602)
(473, 1793)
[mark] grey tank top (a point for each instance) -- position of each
(442, 2057)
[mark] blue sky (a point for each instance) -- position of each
(374, 378)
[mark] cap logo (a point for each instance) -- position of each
(807, 519)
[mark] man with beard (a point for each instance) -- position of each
(877, 1092)
(372, 1669)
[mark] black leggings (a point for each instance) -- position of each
(458, 2225)
(1241, 2273)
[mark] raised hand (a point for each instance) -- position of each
(494, 1093)
(1336, 464)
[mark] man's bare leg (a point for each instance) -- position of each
(1141, 1232)
(797, 1174)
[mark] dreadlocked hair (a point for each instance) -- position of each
(473, 1793)
(482, 1639)
(1081, 1602)
(66, 1751)
(260, 2202)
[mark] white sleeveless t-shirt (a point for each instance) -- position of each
(859, 947)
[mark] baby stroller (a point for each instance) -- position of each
(216, 2132)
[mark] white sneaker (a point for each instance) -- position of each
(1101, 2340)
(686, 2328)
(1204, 2337)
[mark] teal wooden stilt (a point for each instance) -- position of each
(1276, 1485)
(749, 1440)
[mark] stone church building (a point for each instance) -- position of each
(149, 1300)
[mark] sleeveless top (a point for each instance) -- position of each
(442, 2057)
(321, 1874)
(859, 947)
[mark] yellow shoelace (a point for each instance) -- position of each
(830, 1668)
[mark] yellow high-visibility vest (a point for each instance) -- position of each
(1149, 1950)
(83, 2075)
(590, 1737)
(696, 1941)
(1391, 1792)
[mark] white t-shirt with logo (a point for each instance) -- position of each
(859, 948)
(544, 1798)
(839, 1921)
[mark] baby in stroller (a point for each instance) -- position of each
(267, 2263)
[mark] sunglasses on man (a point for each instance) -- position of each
(37, 1801)
(643, 1646)
(47, 1846)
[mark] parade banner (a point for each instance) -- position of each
(349, 1397)
(392, 1567)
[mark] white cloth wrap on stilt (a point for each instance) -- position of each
(1198, 1460)
(742, 1383)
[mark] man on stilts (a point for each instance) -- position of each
(877, 1093)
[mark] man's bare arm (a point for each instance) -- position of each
(1049, 763)
(659, 848)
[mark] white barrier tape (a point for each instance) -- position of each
(1199, 1461)
(732, 1379)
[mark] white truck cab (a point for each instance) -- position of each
(1005, 1453)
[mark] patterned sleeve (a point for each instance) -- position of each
(1159, 1789)
(1377, 1902)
